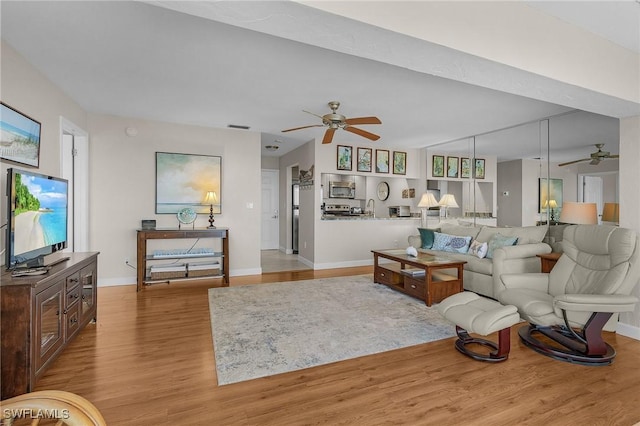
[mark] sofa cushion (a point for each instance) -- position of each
(451, 243)
(499, 240)
(524, 234)
(462, 231)
(478, 249)
(426, 237)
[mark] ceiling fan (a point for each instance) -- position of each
(595, 158)
(336, 121)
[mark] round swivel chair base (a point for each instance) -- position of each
(461, 346)
(566, 355)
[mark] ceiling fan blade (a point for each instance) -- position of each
(328, 135)
(594, 162)
(573, 162)
(303, 127)
(363, 120)
(363, 133)
(614, 156)
(313, 113)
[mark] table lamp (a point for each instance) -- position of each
(448, 200)
(579, 213)
(211, 198)
(427, 201)
(551, 204)
(611, 212)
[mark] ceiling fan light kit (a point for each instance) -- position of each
(335, 121)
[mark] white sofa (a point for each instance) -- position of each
(482, 276)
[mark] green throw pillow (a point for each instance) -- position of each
(427, 236)
(499, 240)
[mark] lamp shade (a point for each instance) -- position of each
(427, 200)
(211, 197)
(550, 204)
(611, 212)
(579, 213)
(448, 200)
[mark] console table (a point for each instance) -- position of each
(143, 258)
(428, 279)
(41, 315)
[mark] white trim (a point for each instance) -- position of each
(243, 272)
(628, 330)
(348, 264)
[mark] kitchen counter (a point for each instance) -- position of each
(365, 217)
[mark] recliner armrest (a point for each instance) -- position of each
(521, 251)
(532, 280)
(595, 302)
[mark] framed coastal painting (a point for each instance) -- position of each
(465, 168)
(364, 159)
(399, 163)
(479, 168)
(19, 137)
(344, 157)
(453, 163)
(183, 181)
(382, 161)
(437, 166)
(549, 190)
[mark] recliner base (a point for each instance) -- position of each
(573, 349)
(500, 350)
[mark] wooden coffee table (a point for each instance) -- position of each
(426, 277)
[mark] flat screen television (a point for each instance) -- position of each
(37, 213)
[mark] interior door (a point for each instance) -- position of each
(592, 191)
(270, 210)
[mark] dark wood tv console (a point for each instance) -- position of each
(41, 314)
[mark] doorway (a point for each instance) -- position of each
(74, 158)
(270, 217)
(598, 188)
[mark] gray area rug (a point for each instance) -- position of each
(266, 329)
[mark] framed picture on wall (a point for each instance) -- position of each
(382, 161)
(453, 163)
(465, 168)
(20, 137)
(364, 159)
(344, 157)
(399, 163)
(479, 168)
(437, 166)
(184, 180)
(550, 195)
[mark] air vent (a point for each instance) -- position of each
(238, 126)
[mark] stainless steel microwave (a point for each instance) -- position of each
(340, 189)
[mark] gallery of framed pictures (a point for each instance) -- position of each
(457, 167)
(183, 180)
(384, 163)
(19, 137)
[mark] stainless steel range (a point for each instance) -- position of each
(337, 209)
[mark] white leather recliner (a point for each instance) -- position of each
(590, 284)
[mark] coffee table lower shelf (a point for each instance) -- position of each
(441, 278)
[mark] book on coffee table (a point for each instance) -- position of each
(413, 272)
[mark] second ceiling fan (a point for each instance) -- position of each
(595, 157)
(335, 121)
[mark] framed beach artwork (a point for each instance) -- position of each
(183, 181)
(479, 168)
(19, 137)
(344, 157)
(364, 159)
(437, 167)
(399, 163)
(452, 167)
(382, 161)
(465, 168)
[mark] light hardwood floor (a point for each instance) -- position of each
(149, 361)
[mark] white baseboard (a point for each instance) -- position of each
(628, 330)
(348, 264)
(113, 282)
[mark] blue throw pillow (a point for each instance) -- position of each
(451, 243)
(426, 235)
(499, 240)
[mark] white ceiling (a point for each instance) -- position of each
(139, 60)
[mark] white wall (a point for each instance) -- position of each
(25, 89)
(122, 189)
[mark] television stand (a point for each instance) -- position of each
(56, 261)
